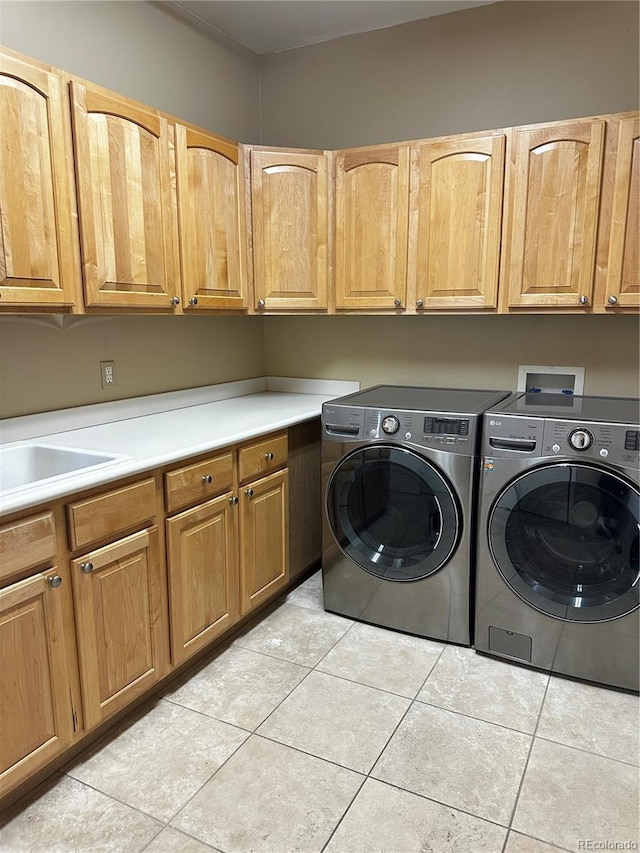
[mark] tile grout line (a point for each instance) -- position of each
(526, 765)
(368, 775)
(589, 752)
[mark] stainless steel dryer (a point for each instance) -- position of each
(398, 477)
(557, 563)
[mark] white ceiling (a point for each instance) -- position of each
(269, 26)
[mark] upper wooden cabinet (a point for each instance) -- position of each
(554, 180)
(210, 210)
(38, 255)
(290, 229)
(372, 220)
(620, 237)
(454, 259)
(125, 182)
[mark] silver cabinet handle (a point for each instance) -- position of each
(261, 303)
(193, 300)
(207, 479)
(268, 456)
(612, 300)
(419, 303)
(87, 568)
(584, 300)
(175, 300)
(397, 302)
(233, 501)
(55, 581)
(248, 493)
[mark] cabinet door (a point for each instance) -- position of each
(203, 575)
(117, 599)
(35, 711)
(372, 219)
(289, 202)
(456, 255)
(264, 536)
(124, 179)
(38, 265)
(623, 269)
(210, 194)
(554, 176)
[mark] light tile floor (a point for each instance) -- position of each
(310, 732)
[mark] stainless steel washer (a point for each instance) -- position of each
(398, 468)
(557, 563)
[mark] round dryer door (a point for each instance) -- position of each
(565, 539)
(392, 512)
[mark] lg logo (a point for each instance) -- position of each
(495, 423)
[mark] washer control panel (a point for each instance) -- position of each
(450, 433)
(443, 431)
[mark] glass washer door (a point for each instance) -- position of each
(392, 512)
(565, 539)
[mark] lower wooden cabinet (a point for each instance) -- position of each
(264, 526)
(107, 633)
(203, 574)
(118, 601)
(36, 717)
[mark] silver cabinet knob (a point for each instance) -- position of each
(207, 479)
(584, 300)
(261, 303)
(193, 300)
(175, 300)
(419, 303)
(87, 568)
(248, 493)
(612, 300)
(397, 302)
(233, 501)
(55, 581)
(268, 456)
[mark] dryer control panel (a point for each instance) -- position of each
(613, 443)
(537, 437)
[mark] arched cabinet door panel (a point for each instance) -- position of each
(290, 224)
(554, 179)
(210, 198)
(459, 189)
(372, 223)
(125, 180)
(38, 255)
(622, 288)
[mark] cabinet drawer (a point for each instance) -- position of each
(110, 513)
(198, 482)
(27, 543)
(262, 457)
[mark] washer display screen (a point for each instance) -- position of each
(565, 538)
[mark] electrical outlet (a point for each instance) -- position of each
(107, 374)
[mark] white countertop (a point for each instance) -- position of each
(160, 429)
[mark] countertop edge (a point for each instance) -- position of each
(308, 405)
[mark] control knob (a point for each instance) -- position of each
(390, 424)
(580, 439)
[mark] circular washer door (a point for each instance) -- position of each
(392, 512)
(565, 539)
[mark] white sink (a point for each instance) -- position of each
(29, 464)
